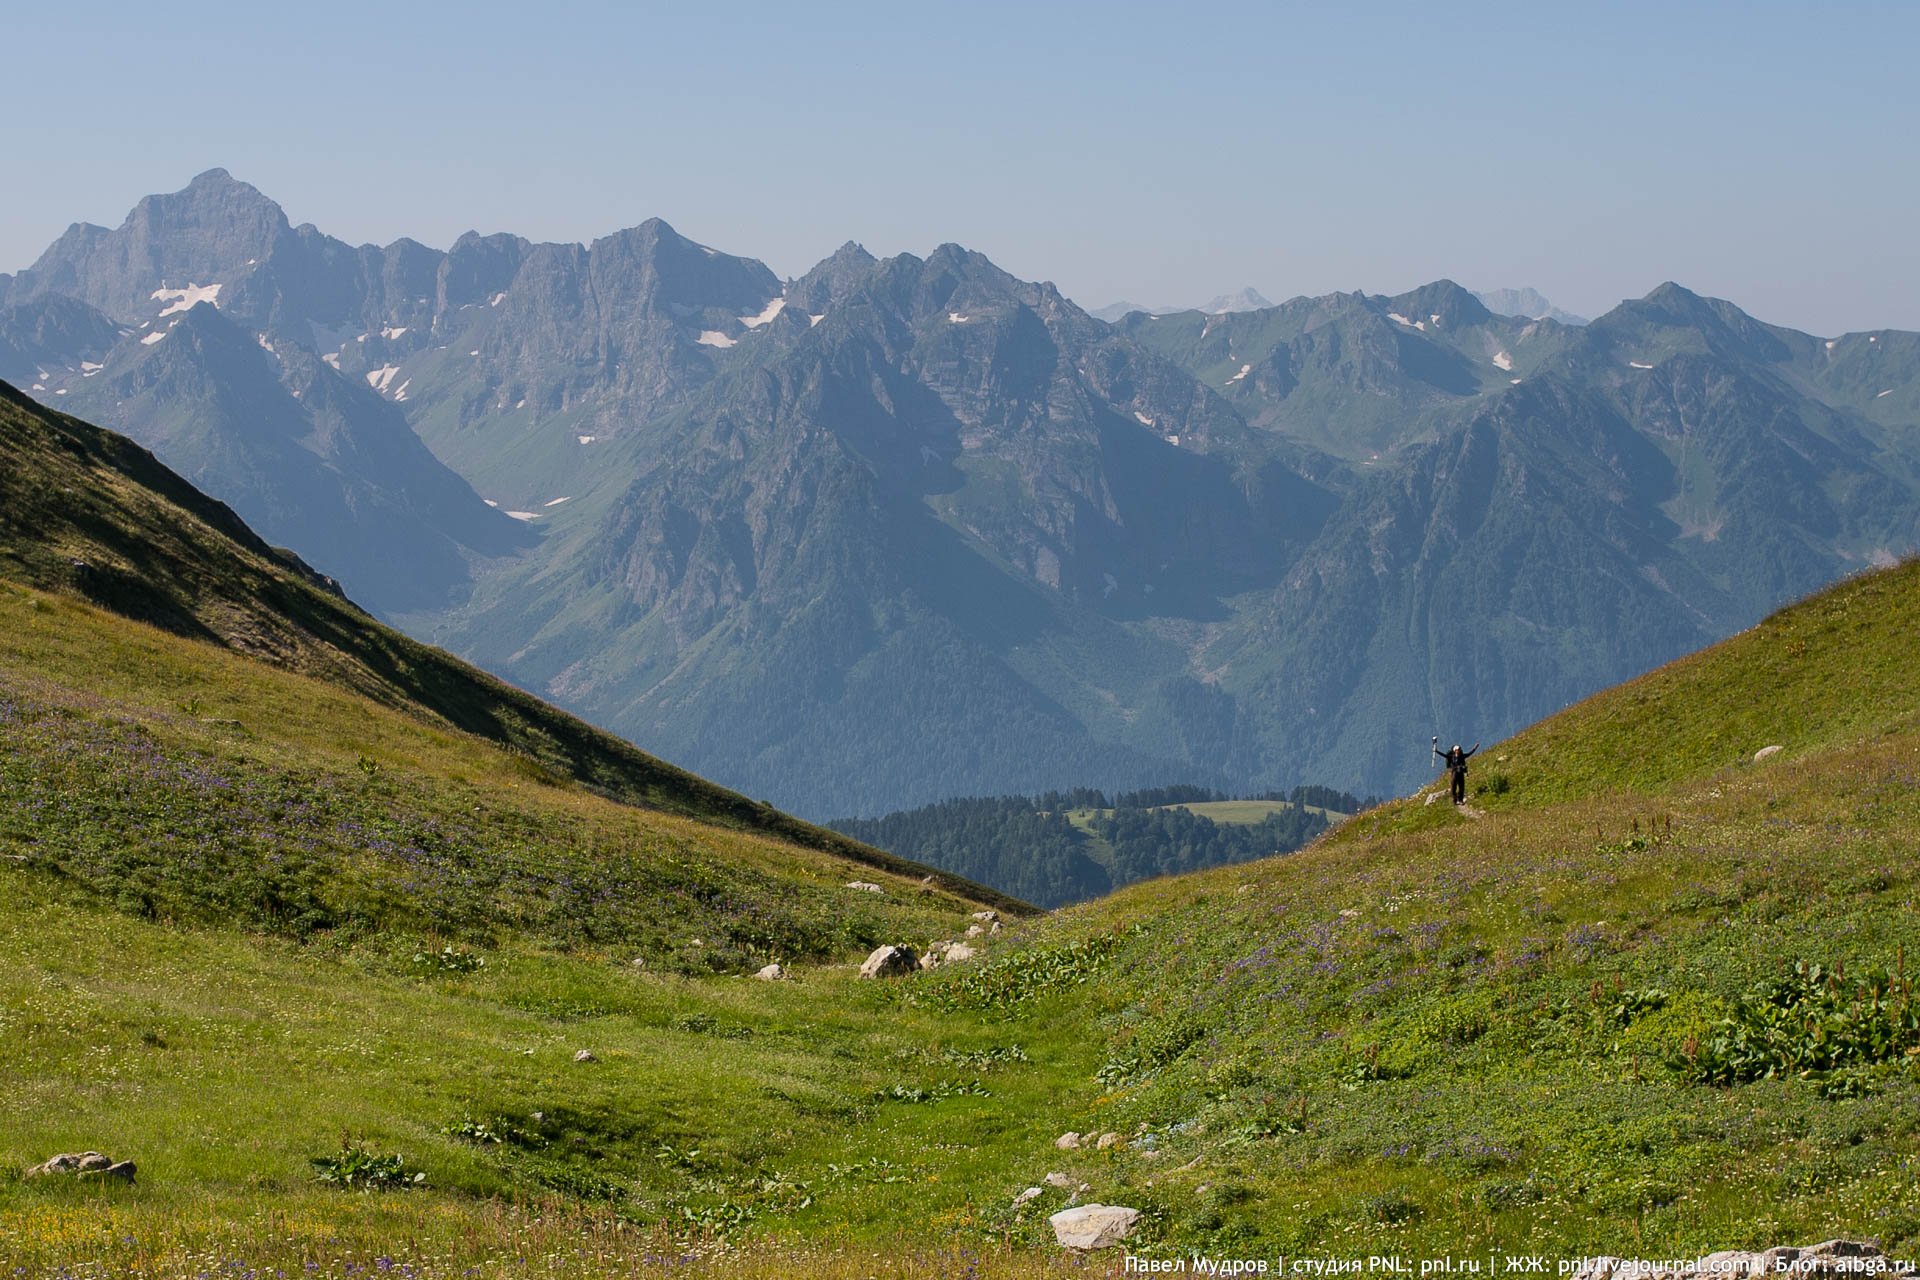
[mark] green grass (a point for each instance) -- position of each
(228, 893)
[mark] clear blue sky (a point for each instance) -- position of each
(1163, 153)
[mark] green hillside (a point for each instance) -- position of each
(256, 928)
(88, 513)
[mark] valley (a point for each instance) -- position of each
(261, 928)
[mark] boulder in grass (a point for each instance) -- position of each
(865, 886)
(585, 1055)
(1068, 1141)
(1093, 1226)
(87, 1164)
(772, 973)
(890, 961)
(1767, 752)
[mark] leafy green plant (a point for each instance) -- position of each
(1811, 1023)
(359, 1169)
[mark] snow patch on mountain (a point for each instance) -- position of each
(765, 314)
(154, 337)
(1245, 369)
(1502, 360)
(715, 338)
(381, 377)
(187, 298)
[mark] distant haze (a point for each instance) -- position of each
(1756, 152)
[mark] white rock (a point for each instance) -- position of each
(976, 930)
(958, 951)
(1107, 1140)
(1031, 1193)
(865, 886)
(1068, 1141)
(890, 961)
(1764, 752)
(1059, 1180)
(1093, 1226)
(585, 1055)
(772, 973)
(986, 917)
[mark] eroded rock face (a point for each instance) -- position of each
(1093, 1226)
(890, 961)
(1828, 1258)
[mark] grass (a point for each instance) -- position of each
(250, 920)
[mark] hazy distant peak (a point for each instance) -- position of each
(1527, 304)
(1247, 299)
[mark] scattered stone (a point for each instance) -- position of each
(959, 951)
(1764, 752)
(585, 1055)
(1828, 1258)
(639, 962)
(1106, 1141)
(772, 973)
(699, 942)
(1068, 1141)
(890, 961)
(1060, 1180)
(1031, 1193)
(995, 928)
(986, 917)
(1431, 797)
(976, 930)
(865, 886)
(1093, 1226)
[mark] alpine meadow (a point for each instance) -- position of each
(555, 724)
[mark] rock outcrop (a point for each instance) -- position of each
(890, 961)
(1093, 1226)
(85, 1164)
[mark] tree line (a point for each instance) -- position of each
(1030, 846)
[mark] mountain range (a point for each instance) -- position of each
(910, 528)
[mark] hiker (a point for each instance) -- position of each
(1456, 761)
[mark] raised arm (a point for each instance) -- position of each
(1475, 747)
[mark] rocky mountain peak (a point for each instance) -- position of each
(1443, 303)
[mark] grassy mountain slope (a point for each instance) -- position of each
(1434, 1031)
(1430, 1032)
(87, 512)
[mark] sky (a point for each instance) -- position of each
(1151, 152)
